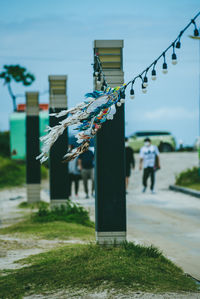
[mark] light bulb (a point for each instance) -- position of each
(119, 104)
(132, 95)
(164, 70)
(178, 44)
(144, 90)
(174, 59)
(153, 74)
(145, 81)
(122, 101)
(98, 82)
(96, 73)
(196, 32)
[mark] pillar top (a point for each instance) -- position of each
(58, 91)
(32, 93)
(57, 77)
(32, 103)
(110, 43)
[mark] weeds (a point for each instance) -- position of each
(70, 212)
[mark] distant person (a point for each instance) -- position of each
(74, 174)
(130, 161)
(180, 145)
(150, 161)
(86, 166)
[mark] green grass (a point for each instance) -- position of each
(13, 173)
(129, 266)
(189, 178)
(50, 230)
(194, 186)
(34, 205)
(65, 222)
(70, 212)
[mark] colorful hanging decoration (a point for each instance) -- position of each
(100, 106)
(89, 116)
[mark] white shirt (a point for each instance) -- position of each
(148, 154)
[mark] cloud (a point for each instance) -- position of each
(170, 113)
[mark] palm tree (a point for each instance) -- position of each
(18, 74)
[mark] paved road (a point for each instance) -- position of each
(169, 220)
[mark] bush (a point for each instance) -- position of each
(188, 177)
(13, 173)
(70, 212)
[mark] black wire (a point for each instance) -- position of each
(156, 60)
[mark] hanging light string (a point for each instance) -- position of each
(175, 44)
(100, 106)
(98, 72)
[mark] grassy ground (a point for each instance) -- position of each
(90, 266)
(33, 205)
(13, 173)
(66, 222)
(189, 178)
(50, 230)
(194, 187)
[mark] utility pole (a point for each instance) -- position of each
(58, 171)
(33, 176)
(110, 198)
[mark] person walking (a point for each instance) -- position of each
(129, 160)
(74, 174)
(150, 161)
(86, 166)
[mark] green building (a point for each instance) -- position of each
(18, 132)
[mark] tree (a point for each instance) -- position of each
(18, 74)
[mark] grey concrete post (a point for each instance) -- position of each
(33, 175)
(58, 171)
(110, 198)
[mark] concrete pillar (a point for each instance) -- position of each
(58, 171)
(33, 176)
(110, 199)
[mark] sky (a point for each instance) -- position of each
(56, 37)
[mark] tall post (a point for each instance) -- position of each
(33, 176)
(110, 198)
(58, 171)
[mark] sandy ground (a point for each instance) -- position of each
(167, 219)
(111, 294)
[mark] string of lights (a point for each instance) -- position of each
(143, 76)
(99, 106)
